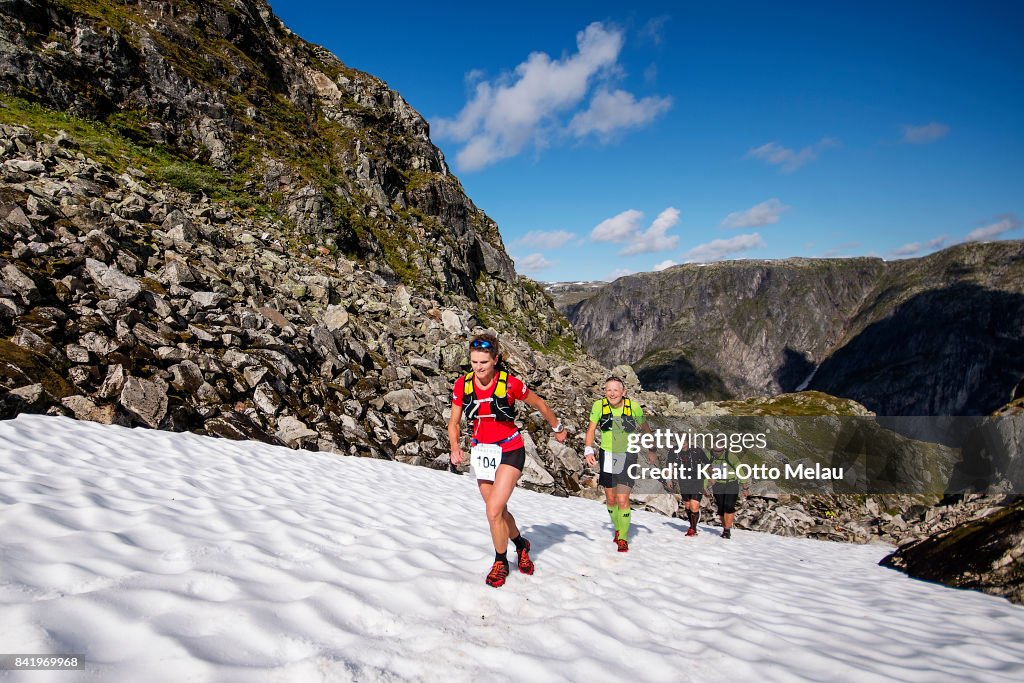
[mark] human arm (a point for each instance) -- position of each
(457, 457)
(672, 459)
(743, 481)
(588, 443)
(535, 401)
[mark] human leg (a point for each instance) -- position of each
(496, 495)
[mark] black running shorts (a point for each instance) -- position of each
(691, 496)
(609, 480)
(726, 495)
(516, 458)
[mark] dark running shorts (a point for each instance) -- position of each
(691, 496)
(726, 496)
(609, 480)
(516, 458)
(690, 487)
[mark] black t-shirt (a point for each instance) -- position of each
(688, 461)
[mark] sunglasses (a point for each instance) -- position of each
(480, 344)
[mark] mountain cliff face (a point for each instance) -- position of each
(937, 335)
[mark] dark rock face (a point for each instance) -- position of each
(940, 335)
(985, 553)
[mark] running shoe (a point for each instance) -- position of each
(623, 545)
(692, 531)
(498, 573)
(525, 563)
(726, 533)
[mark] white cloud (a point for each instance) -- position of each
(526, 107)
(764, 213)
(654, 238)
(716, 250)
(617, 273)
(790, 160)
(667, 263)
(614, 110)
(625, 227)
(915, 248)
(990, 232)
(539, 239)
(617, 228)
(922, 135)
(533, 263)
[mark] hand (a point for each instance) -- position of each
(652, 457)
(457, 456)
(561, 436)
(670, 486)
(746, 492)
(591, 461)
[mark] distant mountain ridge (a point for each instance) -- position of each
(937, 335)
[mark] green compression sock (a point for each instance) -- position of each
(613, 514)
(623, 526)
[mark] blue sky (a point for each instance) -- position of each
(605, 139)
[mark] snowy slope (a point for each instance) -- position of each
(168, 557)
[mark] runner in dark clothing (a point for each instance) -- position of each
(690, 482)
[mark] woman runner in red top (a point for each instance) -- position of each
(498, 453)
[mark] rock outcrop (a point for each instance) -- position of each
(979, 547)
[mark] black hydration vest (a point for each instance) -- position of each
(607, 421)
(501, 409)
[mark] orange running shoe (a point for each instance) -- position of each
(525, 563)
(497, 575)
(623, 545)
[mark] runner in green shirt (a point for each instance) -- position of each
(726, 491)
(616, 417)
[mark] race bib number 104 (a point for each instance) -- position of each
(485, 458)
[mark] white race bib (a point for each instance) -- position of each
(485, 458)
(613, 462)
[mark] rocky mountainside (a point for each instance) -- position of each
(219, 98)
(209, 224)
(938, 335)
